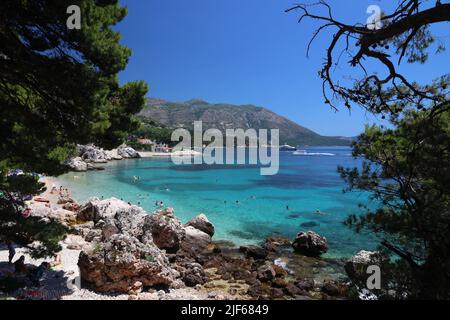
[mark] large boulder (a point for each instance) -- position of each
(130, 221)
(332, 288)
(310, 244)
(254, 252)
(65, 217)
(74, 242)
(127, 152)
(74, 207)
(266, 273)
(65, 199)
(202, 223)
(357, 266)
(165, 229)
(195, 242)
(192, 273)
(96, 210)
(273, 244)
(94, 235)
(110, 217)
(76, 164)
(113, 155)
(92, 154)
(108, 230)
(82, 229)
(117, 264)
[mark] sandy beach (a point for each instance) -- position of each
(56, 283)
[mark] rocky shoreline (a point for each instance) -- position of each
(126, 253)
(87, 157)
(129, 250)
(120, 251)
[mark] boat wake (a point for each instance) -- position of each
(311, 154)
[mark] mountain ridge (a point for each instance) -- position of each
(227, 116)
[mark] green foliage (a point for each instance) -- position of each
(43, 234)
(407, 168)
(397, 281)
(58, 87)
(155, 131)
(408, 172)
(97, 248)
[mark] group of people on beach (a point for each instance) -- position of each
(32, 273)
(19, 265)
(62, 192)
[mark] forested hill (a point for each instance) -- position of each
(226, 116)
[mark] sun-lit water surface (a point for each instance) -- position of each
(244, 206)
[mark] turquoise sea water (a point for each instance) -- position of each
(244, 206)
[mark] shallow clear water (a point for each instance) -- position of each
(267, 205)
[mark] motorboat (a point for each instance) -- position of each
(287, 147)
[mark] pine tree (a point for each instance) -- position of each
(58, 87)
(407, 167)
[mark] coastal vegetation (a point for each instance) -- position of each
(58, 87)
(153, 130)
(408, 164)
(63, 108)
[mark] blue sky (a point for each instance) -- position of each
(241, 52)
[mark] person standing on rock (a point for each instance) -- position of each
(11, 250)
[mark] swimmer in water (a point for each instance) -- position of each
(287, 208)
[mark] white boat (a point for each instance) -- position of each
(305, 153)
(287, 147)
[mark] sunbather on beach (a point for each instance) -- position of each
(56, 260)
(54, 189)
(27, 212)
